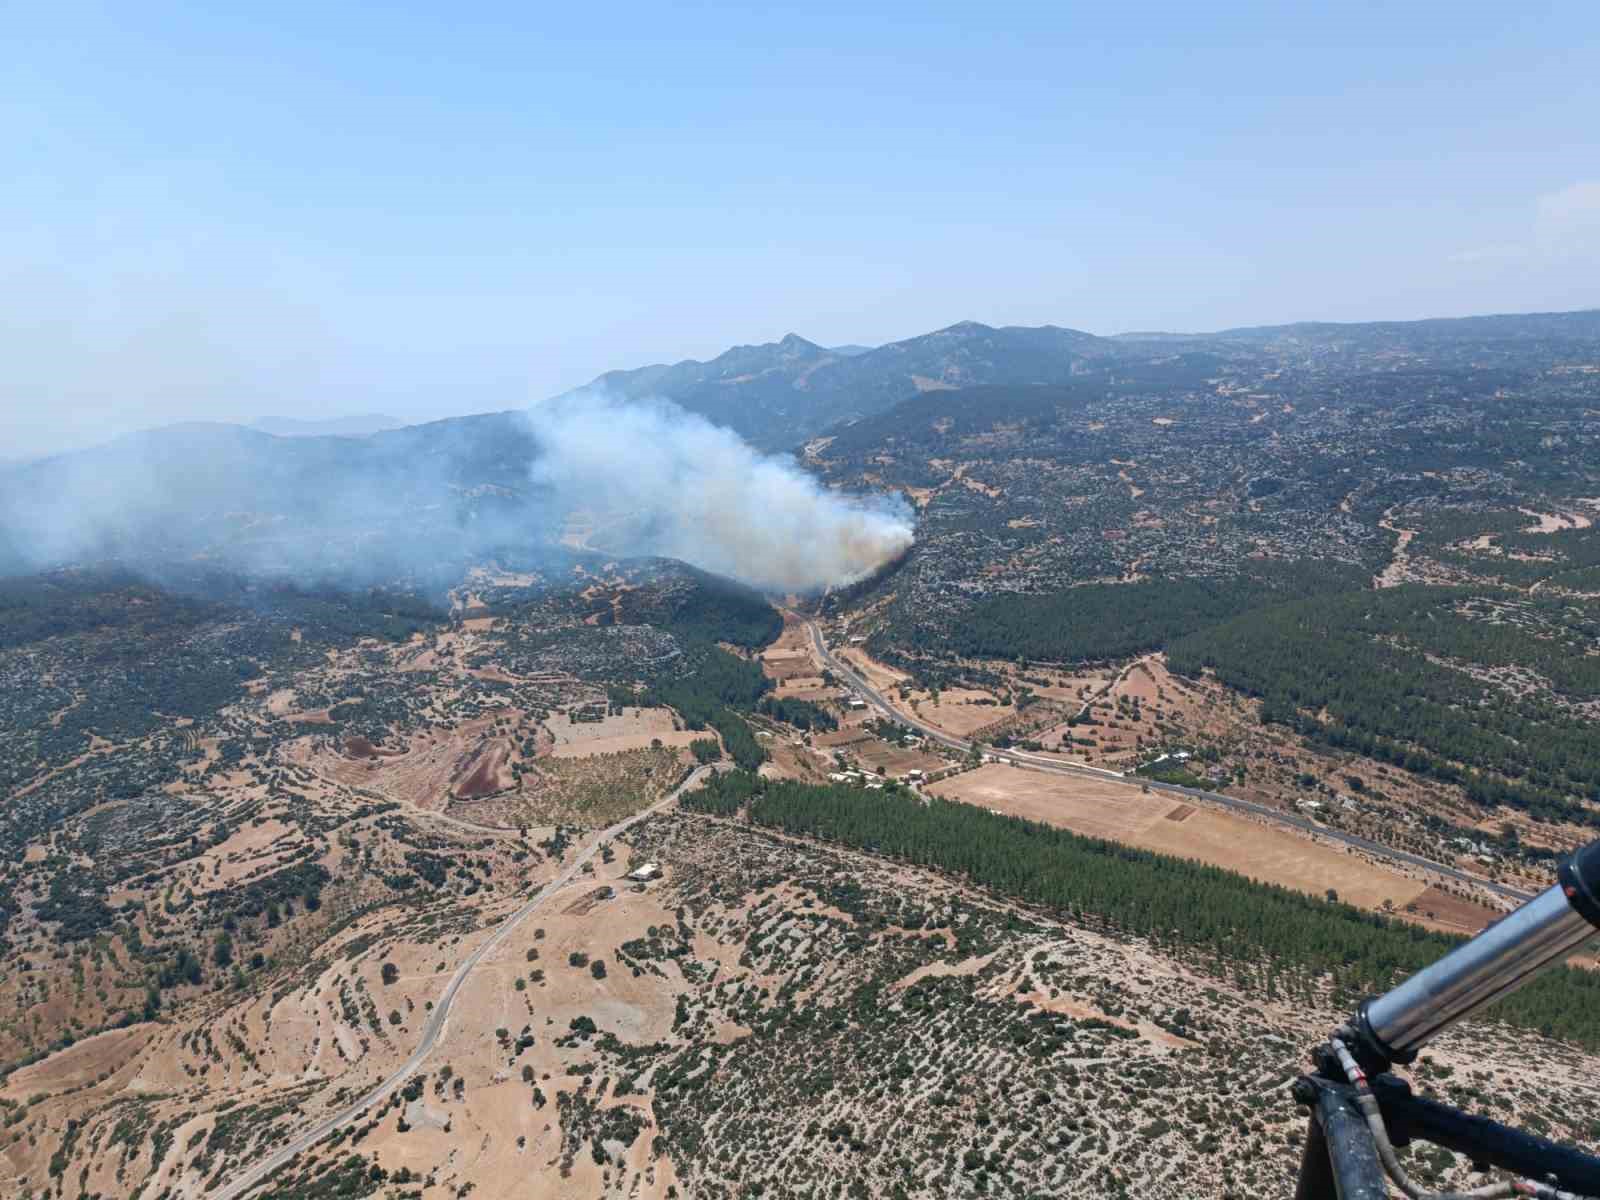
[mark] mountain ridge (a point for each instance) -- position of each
(209, 487)
(351, 425)
(777, 394)
(780, 394)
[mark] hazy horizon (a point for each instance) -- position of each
(302, 212)
(330, 418)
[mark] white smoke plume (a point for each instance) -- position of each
(419, 506)
(676, 485)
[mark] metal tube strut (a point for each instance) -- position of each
(1409, 1116)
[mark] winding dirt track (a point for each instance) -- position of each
(254, 1175)
(251, 1176)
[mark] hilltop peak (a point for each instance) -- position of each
(967, 327)
(777, 393)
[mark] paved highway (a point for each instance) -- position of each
(1055, 766)
(434, 1027)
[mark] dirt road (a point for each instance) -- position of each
(434, 1029)
(1394, 574)
(1039, 763)
(1107, 689)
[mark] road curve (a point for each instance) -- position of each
(431, 1031)
(1056, 767)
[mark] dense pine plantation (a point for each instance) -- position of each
(711, 694)
(1412, 676)
(710, 687)
(1105, 620)
(708, 609)
(1289, 943)
(1101, 622)
(802, 714)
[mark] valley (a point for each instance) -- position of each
(547, 865)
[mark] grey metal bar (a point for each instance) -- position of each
(1352, 1154)
(1482, 1140)
(1316, 1171)
(1500, 959)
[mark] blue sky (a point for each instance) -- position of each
(430, 209)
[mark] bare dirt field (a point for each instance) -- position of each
(896, 760)
(486, 772)
(791, 663)
(1277, 856)
(853, 735)
(787, 761)
(961, 711)
(80, 1065)
(1554, 522)
(1120, 813)
(422, 775)
(787, 663)
(806, 687)
(874, 672)
(1087, 806)
(631, 722)
(1130, 714)
(1438, 909)
(627, 741)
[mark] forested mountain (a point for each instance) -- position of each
(1290, 452)
(781, 393)
(465, 481)
(1247, 507)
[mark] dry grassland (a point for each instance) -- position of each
(895, 760)
(630, 741)
(1119, 813)
(631, 722)
(1438, 909)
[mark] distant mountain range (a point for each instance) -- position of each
(352, 492)
(360, 425)
(779, 394)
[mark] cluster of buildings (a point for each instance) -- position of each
(875, 783)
